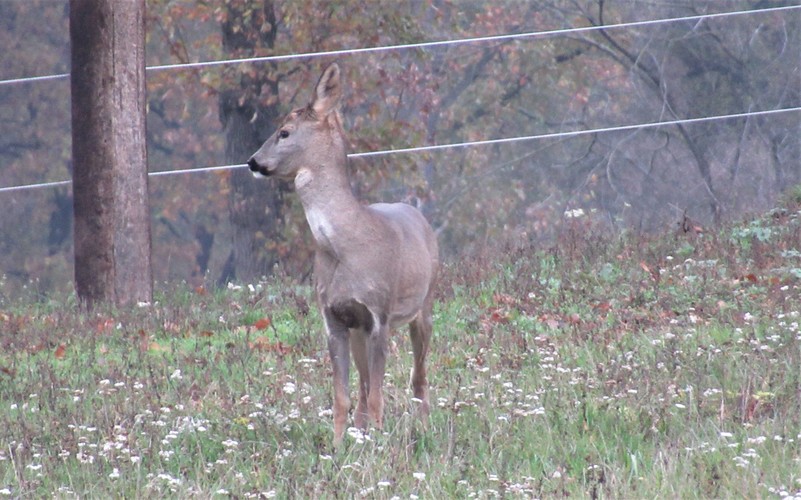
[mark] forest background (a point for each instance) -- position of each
(216, 227)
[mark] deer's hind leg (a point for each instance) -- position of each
(377, 361)
(369, 349)
(420, 332)
(360, 326)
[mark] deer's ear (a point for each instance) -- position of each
(328, 91)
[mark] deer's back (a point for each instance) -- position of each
(416, 239)
(417, 257)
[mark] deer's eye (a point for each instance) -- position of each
(283, 134)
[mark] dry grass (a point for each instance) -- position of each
(602, 367)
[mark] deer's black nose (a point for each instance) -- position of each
(254, 167)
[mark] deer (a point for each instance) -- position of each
(375, 266)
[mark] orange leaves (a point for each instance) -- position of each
(60, 352)
(506, 306)
(144, 342)
(172, 327)
(258, 325)
(170, 333)
(505, 299)
(498, 314)
(13, 323)
(155, 347)
(750, 277)
(603, 306)
(655, 275)
(550, 321)
(103, 325)
(756, 405)
(266, 344)
(262, 324)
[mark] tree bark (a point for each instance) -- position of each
(112, 220)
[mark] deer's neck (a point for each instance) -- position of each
(328, 202)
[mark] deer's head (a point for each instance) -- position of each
(308, 138)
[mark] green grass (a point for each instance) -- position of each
(602, 368)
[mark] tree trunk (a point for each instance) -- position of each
(110, 198)
(248, 111)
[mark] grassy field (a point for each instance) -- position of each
(623, 367)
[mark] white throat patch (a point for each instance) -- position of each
(320, 225)
(318, 219)
(302, 178)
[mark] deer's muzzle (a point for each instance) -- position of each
(257, 169)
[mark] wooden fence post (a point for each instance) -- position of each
(112, 218)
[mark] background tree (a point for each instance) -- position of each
(35, 146)
(249, 107)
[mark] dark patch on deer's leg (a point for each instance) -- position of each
(352, 314)
(338, 349)
(377, 360)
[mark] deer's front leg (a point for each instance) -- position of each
(339, 350)
(358, 349)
